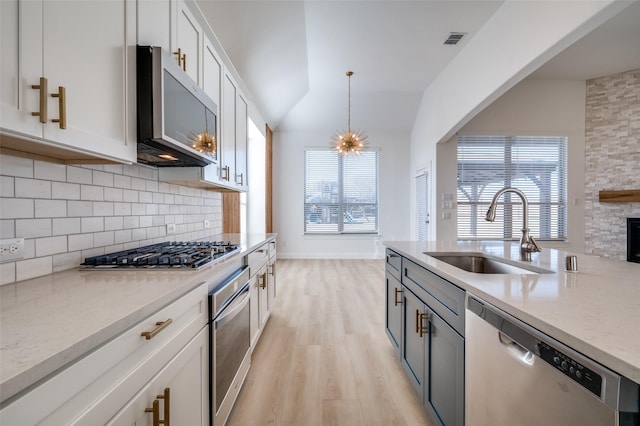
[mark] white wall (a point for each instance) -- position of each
(533, 107)
(393, 193)
(519, 38)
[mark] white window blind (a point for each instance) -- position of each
(340, 192)
(536, 165)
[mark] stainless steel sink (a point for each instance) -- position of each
(480, 263)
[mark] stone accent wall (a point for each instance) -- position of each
(66, 213)
(612, 160)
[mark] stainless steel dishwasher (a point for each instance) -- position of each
(516, 375)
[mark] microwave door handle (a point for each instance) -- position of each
(234, 309)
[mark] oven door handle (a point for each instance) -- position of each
(234, 308)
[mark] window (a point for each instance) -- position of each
(537, 165)
(340, 192)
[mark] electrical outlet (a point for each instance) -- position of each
(207, 224)
(171, 228)
(11, 249)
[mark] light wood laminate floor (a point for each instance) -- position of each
(324, 357)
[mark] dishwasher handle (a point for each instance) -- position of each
(515, 349)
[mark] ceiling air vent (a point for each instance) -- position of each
(454, 38)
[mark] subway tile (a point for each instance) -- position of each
(113, 223)
(65, 261)
(29, 248)
(50, 208)
(96, 251)
(66, 226)
(151, 186)
(79, 208)
(33, 228)
(51, 245)
(102, 178)
(139, 234)
(153, 232)
(138, 184)
(123, 236)
(157, 220)
(50, 171)
(131, 222)
(148, 173)
(32, 268)
(158, 198)
(116, 169)
(169, 198)
(79, 175)
(7, 273)
(130, 170)
(130, 196)
(138, 209)
(16, 166)
(122, 209)
(65, 191)
(91, 224)
(99, 167)
(102, 209)
(152, 209)
(120, 181)
(113, 248)
(91, 193)
(113, 194)
(80, 242)
(101, 239)
(32, 188)
(7, 186)
(145, 221)
(7, 228)
(145, 197)
(16, 208)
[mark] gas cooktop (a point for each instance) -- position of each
(166, 255)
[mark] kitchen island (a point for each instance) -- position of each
(595, 311)
(50, 322)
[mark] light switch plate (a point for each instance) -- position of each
(207, 224)
(11, 250)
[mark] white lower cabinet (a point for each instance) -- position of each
(263, 288)
(179, 391)
(168, 349)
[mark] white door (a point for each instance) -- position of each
(422, 205)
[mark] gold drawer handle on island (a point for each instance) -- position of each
(182, 59)
(395, 297)
(155, 409)
(160, 325)
(264, 280)
(62, 107)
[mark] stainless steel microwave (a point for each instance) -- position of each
(177, 121)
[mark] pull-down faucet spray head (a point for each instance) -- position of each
(491, 213)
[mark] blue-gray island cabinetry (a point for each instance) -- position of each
(429, 337)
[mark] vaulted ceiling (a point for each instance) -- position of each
(293, 55)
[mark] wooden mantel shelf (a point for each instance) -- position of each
(625, 196)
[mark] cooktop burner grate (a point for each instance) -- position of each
(178, 255)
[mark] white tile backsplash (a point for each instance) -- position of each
(33, 228)
(49, 171)
(67, 213)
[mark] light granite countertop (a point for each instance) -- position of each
(596, 310)
(48, 322)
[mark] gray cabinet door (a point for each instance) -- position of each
(414, 345)
(393, 314)
(445, 393)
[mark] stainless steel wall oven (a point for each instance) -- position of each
(229, 343)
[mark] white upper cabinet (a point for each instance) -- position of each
(241, 143)
(85, 52)
(228, 158)
(155, 23)
(189, 41)
(212, 86)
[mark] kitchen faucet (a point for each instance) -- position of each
(527, 244)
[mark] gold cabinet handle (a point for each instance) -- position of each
(424, 330)
(271, 269)
(155, 409)
(264, 281)
(182, 59)
(395, 297)
(224, 173)
(62, 107)
(43, 100)
(166, 396)
(160, 325)
(241, 183)
(228, 172)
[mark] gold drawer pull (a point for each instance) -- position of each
(155, 409)
(43, 100)
(264, 281)
(160, 325)
(62, 107)
(395, 298)
(182, 59)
